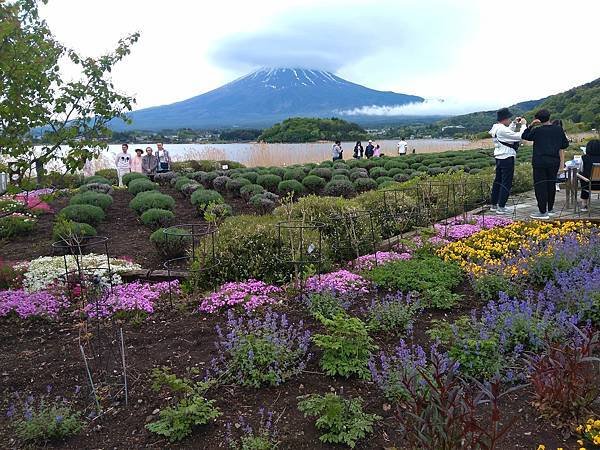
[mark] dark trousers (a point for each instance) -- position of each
(505, 171)
(544, 185)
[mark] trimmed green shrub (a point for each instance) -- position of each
(322, 172)
(181, 181)
(358, 174)
(96, 179)
(235, 184)
(344, 172)
(172, 244)
(202, 198)
(151, 199)
(67, 230)
(250, 176)
(109, 174)
(291, 186)
(364, 184)
(220, 183)
(401, 178)
(92, 198)
(197, 176)
(165, 177)
(250, 190)
(384, 179)
(269, 182)
(339, 188)
(279, 171)
(264, 202)
(294, 174)
(377, 172)
(190, 188)
(141, 185)
(128, 177)
(157, 218)
(208, 178)
(97, 187)
(313, 183)
(340, 178)
(89, 214)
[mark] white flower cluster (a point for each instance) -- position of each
(42, 272)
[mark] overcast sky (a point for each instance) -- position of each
(471, 53)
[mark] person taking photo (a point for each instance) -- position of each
(507, 139)
(548, 158)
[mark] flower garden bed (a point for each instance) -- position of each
(549, 273)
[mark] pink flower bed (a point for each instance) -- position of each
(459, 228)
(367, 262)
(341, 282)
(35, 304)
(134, 296)
(249, 294)
(33, 203)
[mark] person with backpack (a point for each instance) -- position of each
(507, 139)
(548, 158)
(336, 151)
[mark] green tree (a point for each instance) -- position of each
(35, 97)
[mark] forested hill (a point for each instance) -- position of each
(302, 129)
(580, 105)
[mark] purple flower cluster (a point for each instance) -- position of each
(35, 304)
(368, 262)
(404, 371)
(341, 282)
(393, 313)
(260, 351)
(462, 227)
(130, 297)
(263, 436)
(249, 294)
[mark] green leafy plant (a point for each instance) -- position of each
(191, 410)
(313, 183)
(250, 190)
(346, 347)
(324, 305)
(69, 231)
(204, 197)
(14, 225)
(92, 198)
(157, 218)
(151, 199)
(172, 244)
(269, 182)
(342, 420)
(96, 179)
(141, 185)
(441, 298)
(129, 177)
(89, 214)
(43, 421)
(339, 188)
(392, 314)
(293, 187)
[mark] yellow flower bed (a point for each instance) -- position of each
(590, 431)
(486, 249)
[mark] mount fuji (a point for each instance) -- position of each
(262, 98)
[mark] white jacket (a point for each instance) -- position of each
(501, 132)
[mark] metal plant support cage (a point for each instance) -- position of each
(200, 254)
(101, 341)
(351, 235)
(301, 248)
(432, 202)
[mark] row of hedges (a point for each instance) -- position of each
(248, 246)
(345, 179)
(155, 211)
(86, 210)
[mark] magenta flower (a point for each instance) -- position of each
(341, 282)
(249, 294)
(35, 304)
(367, 262)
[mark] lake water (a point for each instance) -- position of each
(259, 154)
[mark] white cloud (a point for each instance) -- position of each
(481, 52)
(430, 107)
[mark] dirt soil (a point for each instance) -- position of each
(34, 355)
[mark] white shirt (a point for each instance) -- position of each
(402, 147)
(501, 132)
(123, 161)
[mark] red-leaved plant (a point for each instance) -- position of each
(565, 377)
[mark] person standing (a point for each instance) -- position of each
(136, 161)
(123, 163)
(149, 162)
(591, 157)
(336, 151)
(506, 142)
(377, 151)
(164, 159)
(548, 159)
(369, 150)
(402, 147)
(358, 150)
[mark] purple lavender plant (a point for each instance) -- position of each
(264, 436)
(393, 313)
(254, 351)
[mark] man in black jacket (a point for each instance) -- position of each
(369, 150)
(549, 141)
